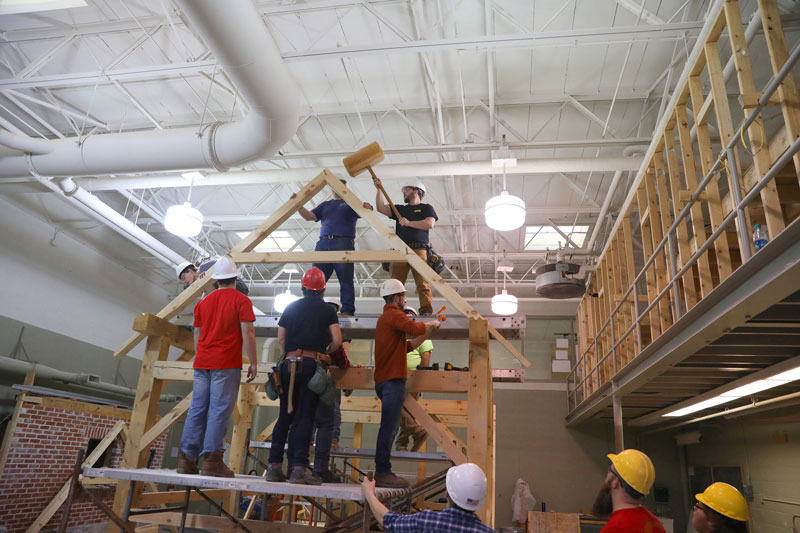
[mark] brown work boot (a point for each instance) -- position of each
(186, 465)
(419, 440)
(391, 481)
(214, 466)
(301, 476)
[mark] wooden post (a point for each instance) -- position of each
(480, 430)
(242, 420)
(143, 416)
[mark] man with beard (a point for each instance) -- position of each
(416, 221)
(630, 478)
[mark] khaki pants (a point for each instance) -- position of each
(410, 428)
(399, 271)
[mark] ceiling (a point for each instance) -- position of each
(435, 81)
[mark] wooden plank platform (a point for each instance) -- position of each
(338, 491)
(363, 327)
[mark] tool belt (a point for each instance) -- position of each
(321, 358)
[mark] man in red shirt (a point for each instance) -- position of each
(223, 324)
(630, 478)
(391, 347)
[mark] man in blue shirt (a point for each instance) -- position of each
(338, 233)
(466, 490)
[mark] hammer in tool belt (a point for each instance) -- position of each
(357, 162)
(293, 362)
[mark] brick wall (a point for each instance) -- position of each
(43, 451)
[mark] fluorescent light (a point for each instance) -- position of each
(194, 175)
(699, 406)
(505, 266)
(10, 7)
(290, 269)
(740, 392)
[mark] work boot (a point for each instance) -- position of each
(419, 440)
(327, 477)
(214, 466)
(425, 312)
(275, 473)
(391, 481)
(334, 444)
(301, 476)
(186, 465)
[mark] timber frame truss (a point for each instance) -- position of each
(436, 416)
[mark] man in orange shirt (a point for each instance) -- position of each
(223, 325)
(630, 478)
(391, 347)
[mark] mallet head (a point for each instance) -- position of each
(357, 162)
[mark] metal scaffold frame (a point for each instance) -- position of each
(436, 416)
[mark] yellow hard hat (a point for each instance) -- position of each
(725, 500)
(635, 468)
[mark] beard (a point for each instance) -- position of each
(408, 197)
(603, 506)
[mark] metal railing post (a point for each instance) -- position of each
(744, 237)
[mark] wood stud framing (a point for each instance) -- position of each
(681, 155)
(437, 416)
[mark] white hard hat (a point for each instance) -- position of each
(181, 267)
(467, 486)
(409, 308)
(333, 300)
(225, 268)
(392, 286)
(417, 185)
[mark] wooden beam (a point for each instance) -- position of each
(446, 439)
(480, 429)
(9, 432)
(344, 256)
(266, 433)
(165, 422)
(245, 245)
(149, 324)
(418, 380)
(434, 407)
(50, 510)
(242, 420)
(183, 371)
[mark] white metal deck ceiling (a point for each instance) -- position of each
(431, 81)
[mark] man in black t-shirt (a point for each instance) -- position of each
(417, 219)
(307, 331)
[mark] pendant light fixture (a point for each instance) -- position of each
(184, 220)
(283, 299)
(504, 303)
(504, 212)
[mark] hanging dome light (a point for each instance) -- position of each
(504, 303)
(183, 220)
(282, 300)
(505, 212)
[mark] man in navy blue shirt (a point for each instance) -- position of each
(416, 221)
(308, 331)
(338, 233)
(466, 491)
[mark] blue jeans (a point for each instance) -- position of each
(392, 394)
(344, 271)
(214, 394)
(327, 426)
(300, 421)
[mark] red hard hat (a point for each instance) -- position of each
(313, 279)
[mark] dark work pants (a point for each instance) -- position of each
(344, 271)
(300, 421)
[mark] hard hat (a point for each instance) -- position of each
(225, 268)
(635, 468)
(467, 486)
(409, 308)
(392, 286)
(181, 267)
(725, 500)
(313, 279)
(417, 185)
(335, 301)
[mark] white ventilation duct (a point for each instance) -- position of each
(235, 33)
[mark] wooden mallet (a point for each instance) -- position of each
(357, 162)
